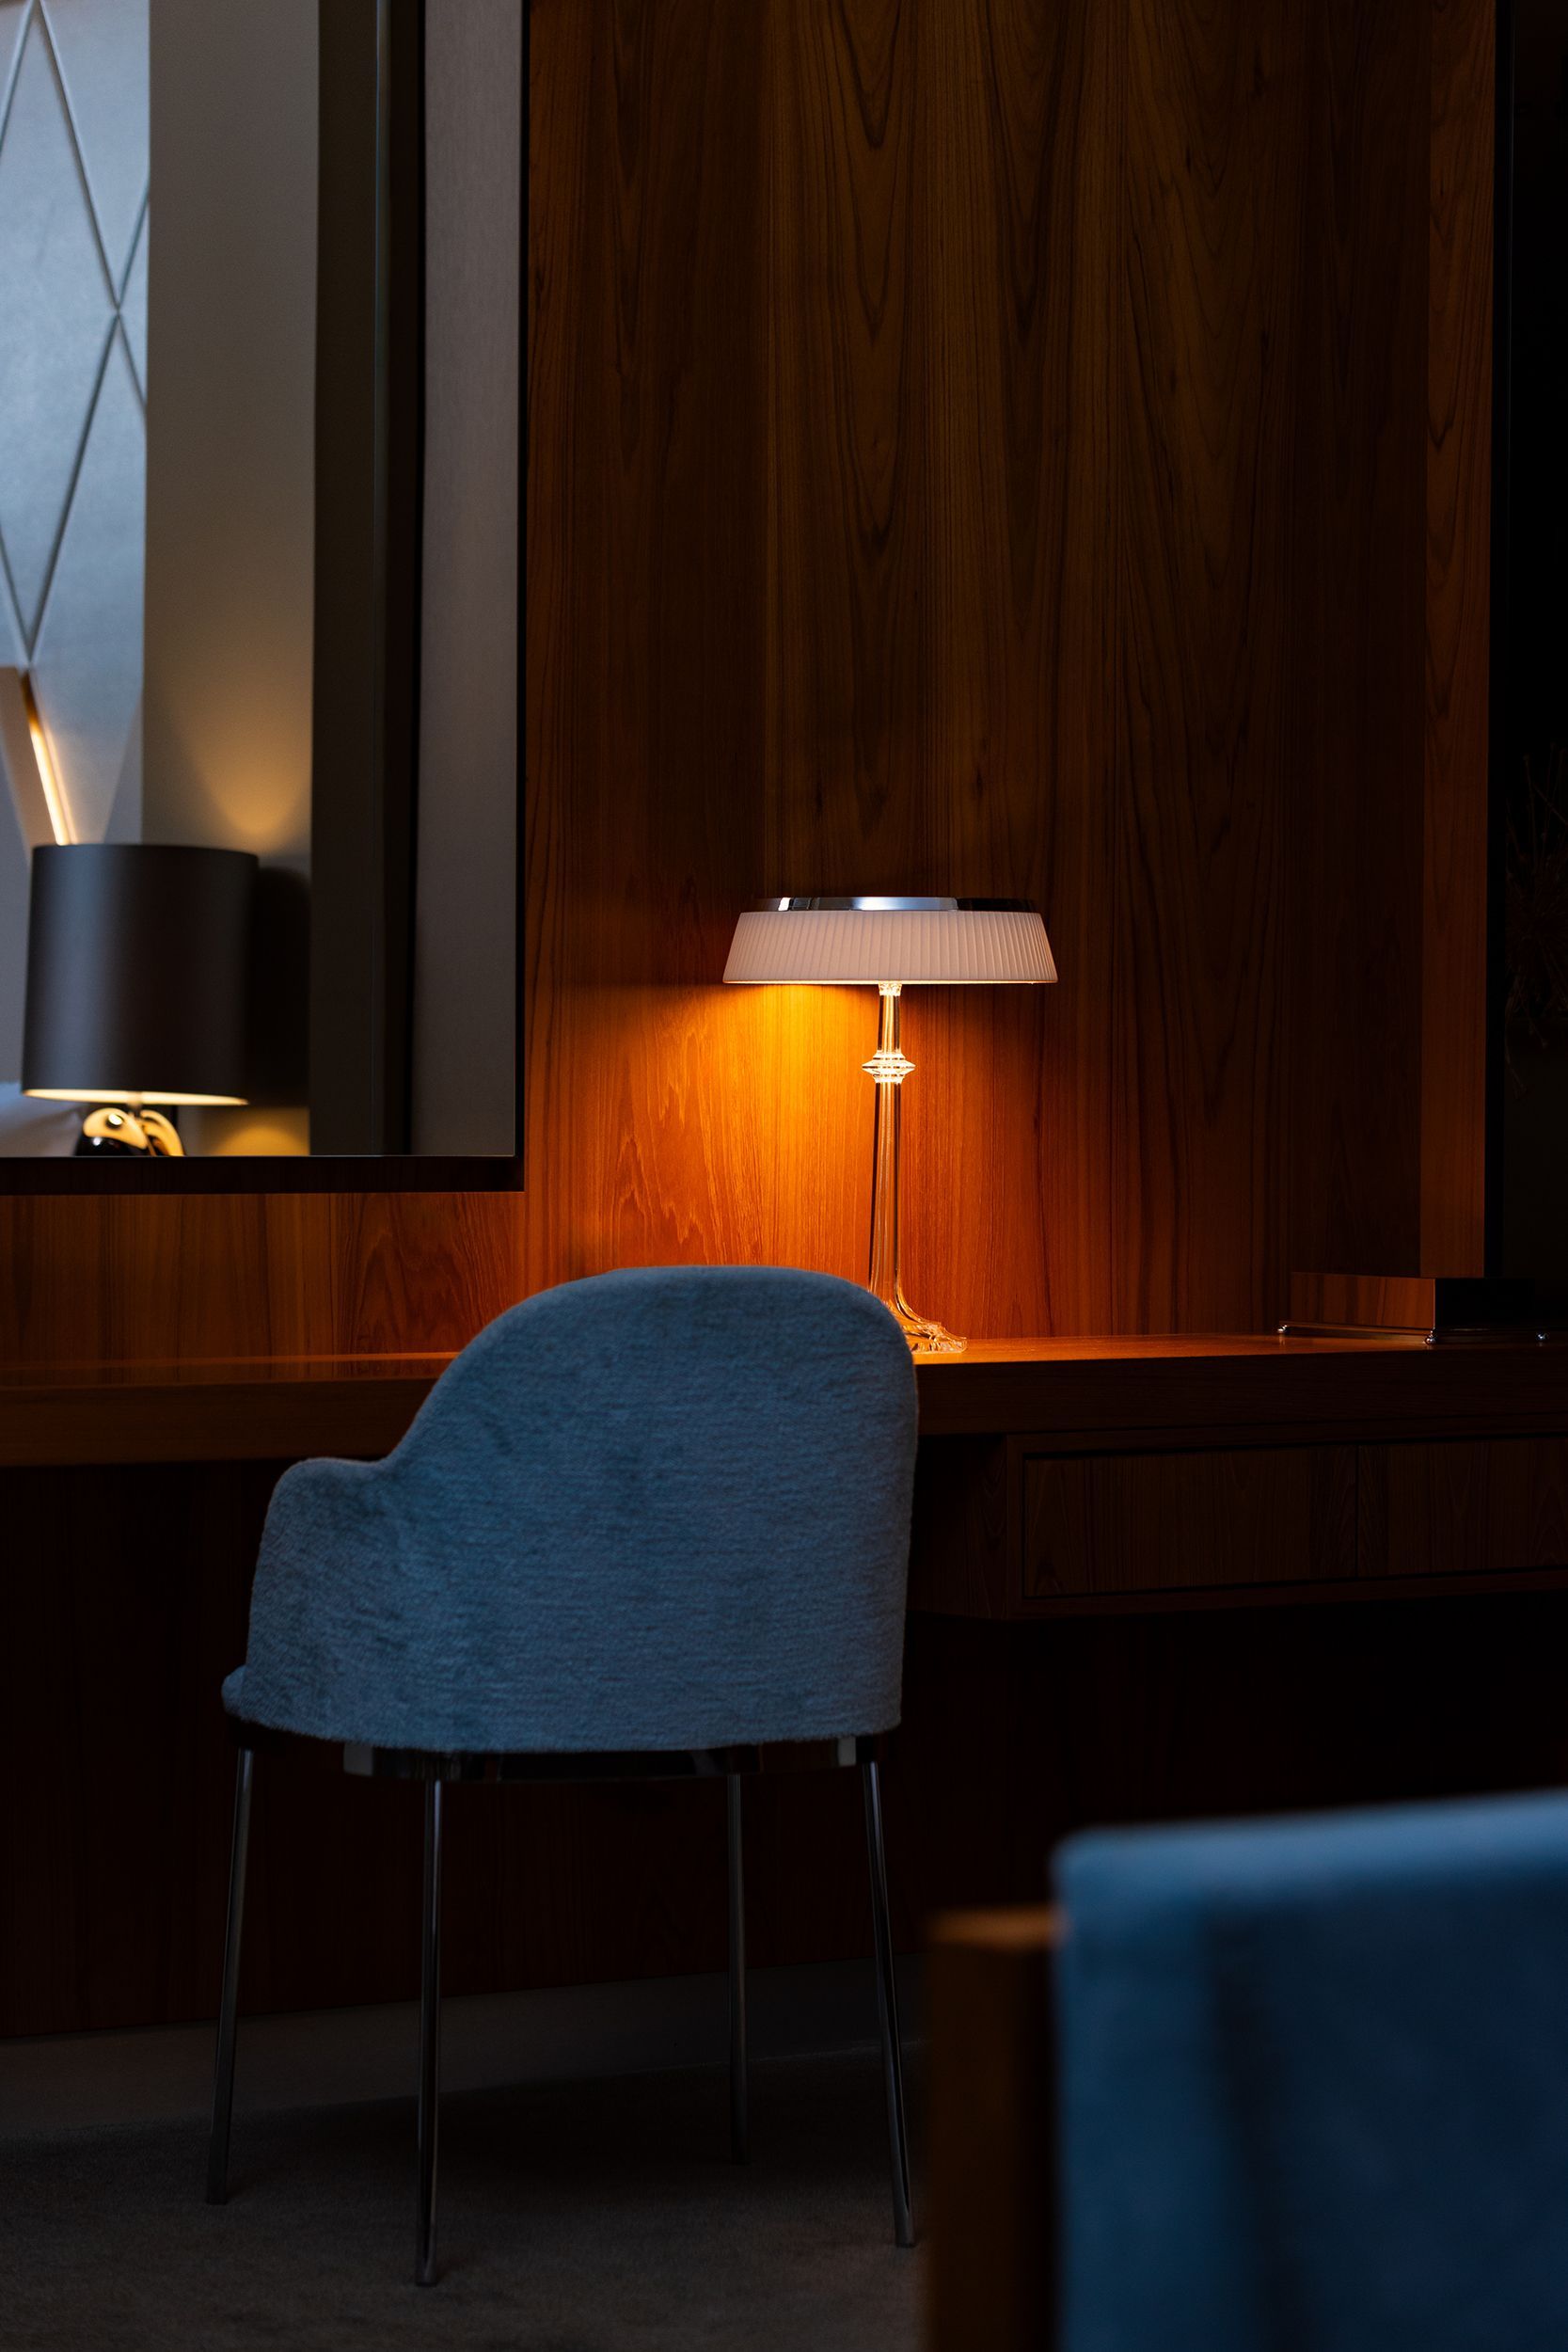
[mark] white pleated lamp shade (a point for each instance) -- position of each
(940, 943)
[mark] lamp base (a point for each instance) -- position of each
(889, 1065)
(141, 1134)
(925, 1337)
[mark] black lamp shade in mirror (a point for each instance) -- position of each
(138, 957)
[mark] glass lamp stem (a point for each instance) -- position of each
(889, 1069)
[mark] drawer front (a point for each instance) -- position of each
(1102, 1524)
(1463, 1507)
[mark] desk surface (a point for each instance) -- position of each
(1225, 1388)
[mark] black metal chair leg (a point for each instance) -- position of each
(430, 2037)
(223, 2067)
(739, 2122)
(887, 2008)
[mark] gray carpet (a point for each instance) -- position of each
(574, 2218)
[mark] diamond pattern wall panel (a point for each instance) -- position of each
(58, 308)
(88, 658)
(13, 24)
(73, 247)
(14, 876)
(12, 654)
(103, 53)
(125, 817)
(133, 307)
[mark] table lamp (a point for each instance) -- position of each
(137, 961)
(891, 943)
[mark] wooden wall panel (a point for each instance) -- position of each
(1352, 779)
(169, 1278)
(993, 2192)
(1175, 1522)
(1216, 189)
(1459, 467)
(1012, 1149)
(1463, 1508)
(999, 445)
(1060, 377)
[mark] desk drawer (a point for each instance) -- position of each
(1463, 1507)
(1098, 1524)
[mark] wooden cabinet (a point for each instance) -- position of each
(1479, 1507)
(1130, 1526)
(1106, 1524)
(1214, 1478)
(1005, 1530)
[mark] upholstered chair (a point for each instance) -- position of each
(644, 1524)
(1314, 2082)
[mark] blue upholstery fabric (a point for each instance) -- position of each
(659, 1509)
(1315, 2084)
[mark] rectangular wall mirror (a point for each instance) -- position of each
(259, 775)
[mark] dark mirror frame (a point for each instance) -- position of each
(370, 402)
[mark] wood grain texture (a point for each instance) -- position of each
(242, 1411)
(1216, 191)
(1458, 570)
(1366, 1301)
(962, 1537)
(1170, 1522)
(1016, 1735)
(976, 445)
(1179, 1392)
(983, 447)
(1188, 1390)
(177, 1279)
(1463, 1509)
(992, 2132)
(1352, 781)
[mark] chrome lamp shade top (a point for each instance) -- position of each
(943, 943)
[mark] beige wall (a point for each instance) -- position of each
(231, 427)
(465, 914)
(230, 457)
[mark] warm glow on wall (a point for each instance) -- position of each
(54, 798)
(27, 768)
(891, 943)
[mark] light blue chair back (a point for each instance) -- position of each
(1315, 2082)
(661, 1509)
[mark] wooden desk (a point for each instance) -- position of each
(1099, 1392)
(1095, 1477)
(1097, 1525)
(246, 1409)
(1057, 1476)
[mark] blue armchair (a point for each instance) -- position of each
(1314, 2083)
(644, 1524)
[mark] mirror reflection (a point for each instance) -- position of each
(259, 774)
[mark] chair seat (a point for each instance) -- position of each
(570, 1764)
(522, 1765)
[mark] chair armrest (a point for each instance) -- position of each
(992, 2281)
